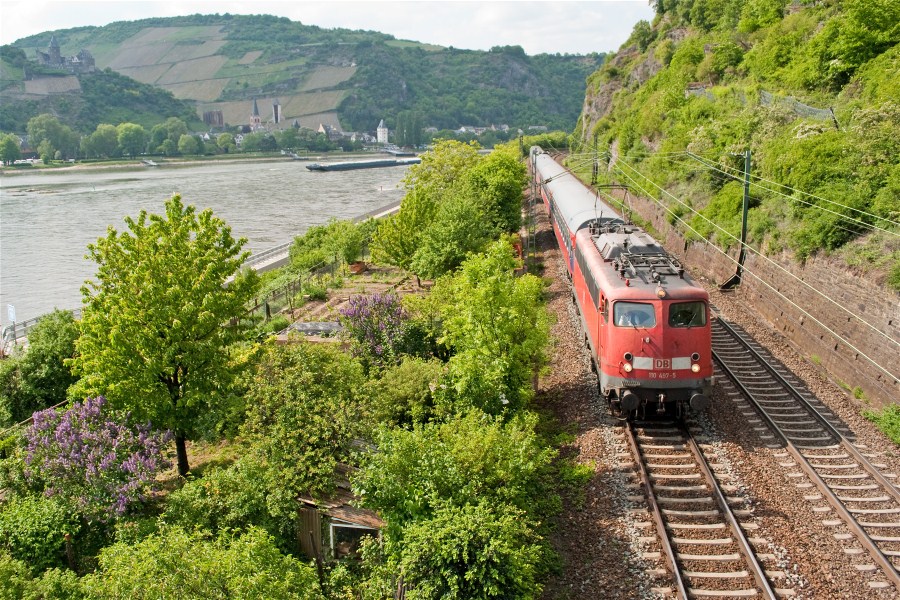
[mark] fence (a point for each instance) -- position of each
(804, 110)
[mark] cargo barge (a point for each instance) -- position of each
(363, 164)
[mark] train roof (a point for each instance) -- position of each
(627, 257)
(577, 204)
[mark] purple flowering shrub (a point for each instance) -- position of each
(100, 464)
(376, 326)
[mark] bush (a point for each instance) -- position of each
(231, 499)
(472, 552)
(177, 564)
(404, 394)
(34, 529)
(99, 464)
(375, 325)
(887, 420)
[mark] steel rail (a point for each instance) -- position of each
(867, 542)
(657, 513)
(826, 424)
(757, 570)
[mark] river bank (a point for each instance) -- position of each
(137, 163)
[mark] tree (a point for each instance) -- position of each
(175, 128)
(105, 140)
(154, 336)
(225, 142)
(46, 130)
(176, 564)
(304, 413)
(497, 327)
(460, 228)
(9, 149)
(187, 144)
(497, 181)
(40, 377)
(132, 138)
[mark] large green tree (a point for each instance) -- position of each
(497, 327)
(47, 130)
(155, 332)
(132, 138)
(9, 149)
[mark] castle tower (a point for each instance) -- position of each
(381, 133)
(53, 51)
(276, 112)
(255, 122)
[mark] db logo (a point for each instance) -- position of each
(662, 363)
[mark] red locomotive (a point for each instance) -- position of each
(645, 321)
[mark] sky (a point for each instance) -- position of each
(573, 27)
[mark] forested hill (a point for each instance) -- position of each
(812, 88)
(339, 77)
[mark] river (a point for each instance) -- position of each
(47, 218)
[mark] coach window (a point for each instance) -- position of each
(687, 314)
(634, 314)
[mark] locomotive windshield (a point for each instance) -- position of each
(634, 314)
(687, 314)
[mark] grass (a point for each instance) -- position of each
(887, 420)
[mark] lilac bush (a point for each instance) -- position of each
(97, 462)
(376, 326)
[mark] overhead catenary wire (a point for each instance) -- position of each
(860, 352)
(725, 169)
(862, 224)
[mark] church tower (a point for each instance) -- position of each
(254, 117)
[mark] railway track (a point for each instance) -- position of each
(700, 532)
(843, 481)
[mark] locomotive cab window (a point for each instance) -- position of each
(634, 314)
(687, 314)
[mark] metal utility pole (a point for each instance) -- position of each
(736, 278)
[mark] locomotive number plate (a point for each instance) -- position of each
(662, 375)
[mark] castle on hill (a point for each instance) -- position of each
(83, 62)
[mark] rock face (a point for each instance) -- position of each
(857, 352)
(598, 98)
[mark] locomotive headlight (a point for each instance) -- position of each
(628, 356)
(627, 367)
(695, 368)
(660, 292)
